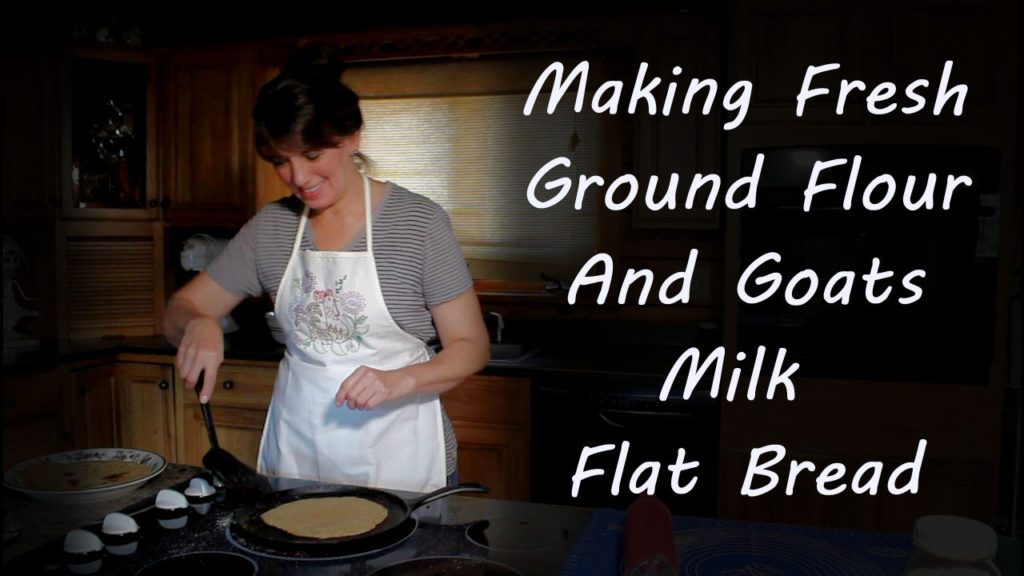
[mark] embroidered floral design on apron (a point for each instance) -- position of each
(332, 330)
(331, 321)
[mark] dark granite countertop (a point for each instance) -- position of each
(442, 527)
(35, 523)
(643, 364)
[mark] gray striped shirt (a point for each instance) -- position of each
(419, 261)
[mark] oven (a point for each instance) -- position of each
(946, 336)
(571, 411)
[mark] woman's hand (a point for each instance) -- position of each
(466, 350)
(366, 388)
(201, 350)
(190, 323)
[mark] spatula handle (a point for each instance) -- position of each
(207, 415)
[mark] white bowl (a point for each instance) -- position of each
(156, 463)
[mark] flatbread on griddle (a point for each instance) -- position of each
(322, 518)
(82, 475)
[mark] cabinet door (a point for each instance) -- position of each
(239, 408)
(31, 132)
(146, 404)
(774, 42)
(491, 417)
(208, 165)
(239, 431)
(93, 411)
(268, 185)
(496, 456)
(108, 166)
(34, 422)
(110, 277)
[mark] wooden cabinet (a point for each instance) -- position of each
(92, 405)
(774, 42)
(31, 129)
(111, 277)
(207, 162)
(109, 135)
(239, 408)
(145, 399)
(491, 417)
(34, 415)
(838, 416)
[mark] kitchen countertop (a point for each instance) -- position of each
(641, 364)
(441, 532)
(40, 522)
(587, 542)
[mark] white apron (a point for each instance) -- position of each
(331, 308)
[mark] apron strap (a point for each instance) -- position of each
(367, 195)
(297, 243)
(369, 214)
(369, 220)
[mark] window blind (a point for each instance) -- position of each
(475, 155)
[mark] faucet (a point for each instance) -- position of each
(500, 326)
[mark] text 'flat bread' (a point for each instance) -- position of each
(333, 517)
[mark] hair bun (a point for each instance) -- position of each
(315, 59)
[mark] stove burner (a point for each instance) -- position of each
(515, 533)
(446, 566)
(392, 538)
(220, 563)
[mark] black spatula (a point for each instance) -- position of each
(229, 469)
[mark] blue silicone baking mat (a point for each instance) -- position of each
(708, 547)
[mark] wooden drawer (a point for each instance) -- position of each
(242, 386)
(30, 396)
(489, 399)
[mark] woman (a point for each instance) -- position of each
(362, 274)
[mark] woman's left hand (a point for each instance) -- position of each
(367, 387)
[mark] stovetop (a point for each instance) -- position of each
(469, 535)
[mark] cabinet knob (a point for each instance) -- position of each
(153, 203)
(228, 384)
(165, 203)
(163, 385)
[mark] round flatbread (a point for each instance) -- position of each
(81, 475)
(322, 518)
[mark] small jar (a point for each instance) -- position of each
(952, 546)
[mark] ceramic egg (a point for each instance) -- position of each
(83, 552)
(200, 495)
(120, 534)
(171, 509)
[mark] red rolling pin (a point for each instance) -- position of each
(650, 541)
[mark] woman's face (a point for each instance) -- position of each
(319, 176)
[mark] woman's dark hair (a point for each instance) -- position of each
(306, 105)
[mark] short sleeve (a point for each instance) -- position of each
(445, 272)
(235, 268)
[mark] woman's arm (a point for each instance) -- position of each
(191, 324)
(466, 351)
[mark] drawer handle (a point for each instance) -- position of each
(163, 385)
(228, 384)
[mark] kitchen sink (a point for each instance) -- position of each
(508, 352)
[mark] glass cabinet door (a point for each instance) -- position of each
(111, 172)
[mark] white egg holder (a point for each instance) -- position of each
(120, 533)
